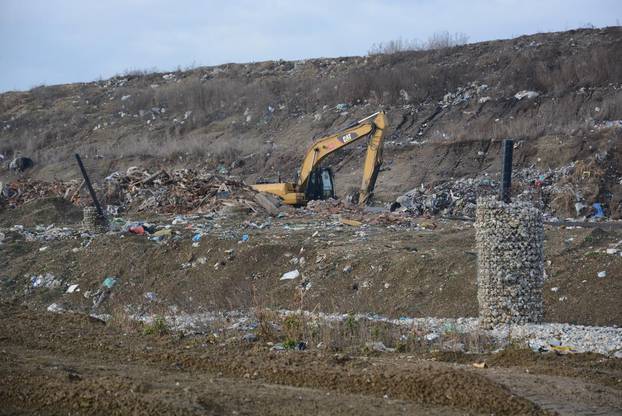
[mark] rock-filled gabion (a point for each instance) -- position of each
(93, 222)
(510, 243)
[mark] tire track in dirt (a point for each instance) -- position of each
(46, 383)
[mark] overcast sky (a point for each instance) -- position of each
(60, 41)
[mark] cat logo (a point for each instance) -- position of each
(347, 138)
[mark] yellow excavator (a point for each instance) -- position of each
(316, 182)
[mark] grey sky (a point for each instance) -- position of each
(59, 41)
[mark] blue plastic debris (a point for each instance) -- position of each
(197, 237)
(109, 282)
(245, 237)
(342, 106)
(598, 208)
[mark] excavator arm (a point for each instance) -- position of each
(373, 126)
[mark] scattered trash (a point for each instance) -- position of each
(164, 232)
(179, 220)
(526, 94)
(72, 288)
(109, 282)
(352, 223)
(151, 296)
(342, 106)
(480, 365)
(294, 274)
(249, 337)
(602, 274)
(378, 347)
(244, 237)
(197, 237)
(598, 210)
(137, 229)
(55, 308)
(432, 337)
(278, 347)
(45, 280)
(561, 349)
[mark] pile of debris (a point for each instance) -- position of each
(21, 191)
(182, 191)
(457, 198)
(352, 214)
(328, 207)
(566, 192)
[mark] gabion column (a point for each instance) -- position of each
(510, 243)
(92, 221)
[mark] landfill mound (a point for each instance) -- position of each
(448, 111)
(50, 210)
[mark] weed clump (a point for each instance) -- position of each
(158, 327)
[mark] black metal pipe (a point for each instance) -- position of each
(505, 188)
(90, 187)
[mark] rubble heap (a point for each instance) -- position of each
(19, 192)
(181, 191)
(329, 207)
(565, 192)
(510, 242)
(455, 198)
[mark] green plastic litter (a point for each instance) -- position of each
(109, 282)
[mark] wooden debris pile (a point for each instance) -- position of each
(179, 191)
(21, 191)
(184, 191)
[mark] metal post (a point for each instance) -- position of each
(90, 187)
(505, 189)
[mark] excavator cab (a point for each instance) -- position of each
(320, 185)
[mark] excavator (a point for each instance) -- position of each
(316, 182)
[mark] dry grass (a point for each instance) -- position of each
(362, 335)
(439, 40)
(215, 151)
